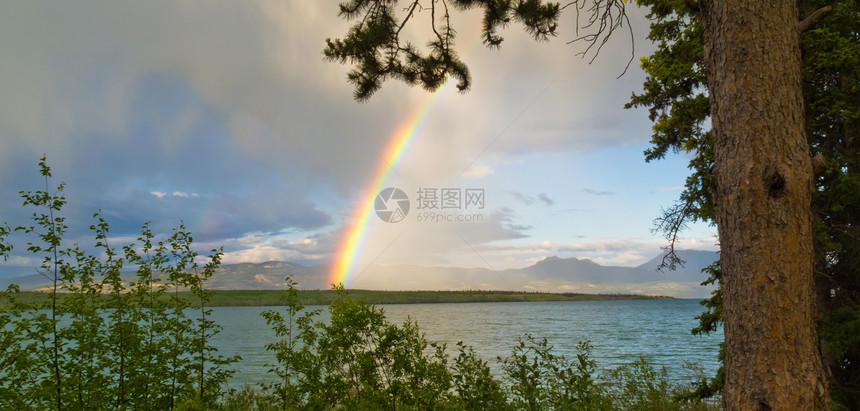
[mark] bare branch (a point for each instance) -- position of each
(604, 17)
(813, 18)
(411, 9)
(671, 222)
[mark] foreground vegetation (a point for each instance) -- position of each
(95, 341)
(359, 360)
(262, 298)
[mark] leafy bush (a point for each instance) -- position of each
(358, 360)
(542, 380)
(638, 386)
(96, 342)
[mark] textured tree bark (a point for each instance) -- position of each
(763, 200)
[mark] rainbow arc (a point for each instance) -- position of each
(352, 242)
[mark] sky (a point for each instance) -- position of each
(225, 117)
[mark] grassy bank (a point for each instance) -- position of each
(255, 298)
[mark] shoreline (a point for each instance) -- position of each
(272, 298)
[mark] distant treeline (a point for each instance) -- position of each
(261, 298)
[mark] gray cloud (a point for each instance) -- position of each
(545, 199)
(522, 197)
(232, 102)
(529, 200)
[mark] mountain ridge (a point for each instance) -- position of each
(550, 274)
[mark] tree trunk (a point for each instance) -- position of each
(763, 200)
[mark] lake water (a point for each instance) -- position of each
(620, 331)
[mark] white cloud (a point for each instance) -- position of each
(598, 192)
(260, 247)
(478, 171)
(183, 194)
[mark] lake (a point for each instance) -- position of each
(620, 331)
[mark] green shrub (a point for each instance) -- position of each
(358, 360)
(96, 342)
(541, 380)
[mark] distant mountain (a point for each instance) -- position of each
(268, 275)
(693, 261)
(25, 282)
(585, 270)
(242, 276)
(550, 274)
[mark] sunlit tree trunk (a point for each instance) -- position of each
(763, 194)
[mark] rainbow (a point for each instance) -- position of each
(351, 243)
